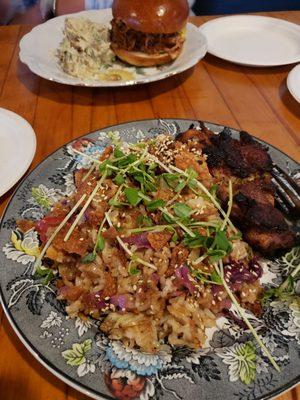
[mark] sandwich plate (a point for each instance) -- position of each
(83, 357)
(38, 50)
(253, 40)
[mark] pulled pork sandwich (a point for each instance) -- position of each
(150, 32)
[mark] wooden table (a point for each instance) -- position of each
(252, 99)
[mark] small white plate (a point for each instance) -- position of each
(38, 48)
(253, 40)
(293, 82)
(17, 148)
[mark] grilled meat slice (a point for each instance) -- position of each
(247, 164)
(243, 157)
(260, 215)
(261, 190)
(264, 226)
(201, 136)
(269, 242)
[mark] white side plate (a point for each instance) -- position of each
(38, 48)
(253, 40)
(293, 82)
(17, 148)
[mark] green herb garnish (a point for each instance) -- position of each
(155, 204)
(143, 220)
(132, 195)
(182, 210)
(46, 273)
(100, 243)
(88, 258)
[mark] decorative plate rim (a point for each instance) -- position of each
(60, 374)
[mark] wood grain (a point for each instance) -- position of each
(252, 99)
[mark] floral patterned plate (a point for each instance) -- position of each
(79, 354)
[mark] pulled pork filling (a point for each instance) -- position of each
(129, 39)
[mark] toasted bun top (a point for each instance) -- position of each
(152, 16)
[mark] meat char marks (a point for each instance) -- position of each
(247, 164)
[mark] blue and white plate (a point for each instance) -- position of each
(83, 357)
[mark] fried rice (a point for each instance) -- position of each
(143, 246)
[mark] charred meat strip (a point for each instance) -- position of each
(247, 163)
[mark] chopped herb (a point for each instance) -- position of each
(192, 184)
(168, 218)
(175, 237)
(104, 166)
(182, 210)
(200, 275)
(180, 186)
(132, 195)
(46, 273)
(191, 173)
(149, 186)
(143, 220)
(130, 159)
(116, 203)
(221, 242)
(152, 166)
(119, 179)
(216, 255)
(215, 277)
(90, 257)
(171, 179)
(100, 243)
(155, 204)
(118, 153)
(198, 241)
(133, 271)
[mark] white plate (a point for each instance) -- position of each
(253, 40)
(293, 82)
(37, 50)
(17, 148)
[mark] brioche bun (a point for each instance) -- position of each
(152, 16)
